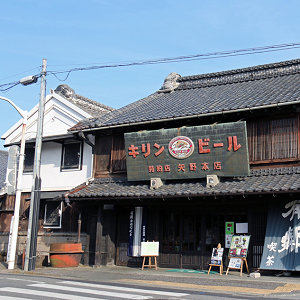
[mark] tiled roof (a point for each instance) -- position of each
(3, 166)
(92, 107)
(209, 93)
(260, 181)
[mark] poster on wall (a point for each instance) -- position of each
(281, 246)
(229, 232)
(216, 256)
(241, 228)
(239, 246)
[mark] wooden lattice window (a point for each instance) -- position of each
(273, 140)
(110, 156)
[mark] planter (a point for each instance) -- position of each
(64, 255)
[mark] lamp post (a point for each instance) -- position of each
(15, 229)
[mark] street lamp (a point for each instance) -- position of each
(15, 229)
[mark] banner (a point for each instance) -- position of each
(137, 230)
(282, 237)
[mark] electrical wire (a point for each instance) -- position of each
(248, 51)
(213, 55)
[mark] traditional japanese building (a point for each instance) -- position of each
(202, 151)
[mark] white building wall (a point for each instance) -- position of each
(53, 179)
(59, 116)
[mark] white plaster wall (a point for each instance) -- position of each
(53, 179)
(59, 116)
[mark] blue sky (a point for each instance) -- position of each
(79, 34)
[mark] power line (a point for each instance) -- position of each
(213, 55)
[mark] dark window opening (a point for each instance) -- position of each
(71, 156)
(52, 216)
(29, 159)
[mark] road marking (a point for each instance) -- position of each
(21, 279)
(287, 288)
(87, 291)
(45, 294)
(12, 298)
(124, 289)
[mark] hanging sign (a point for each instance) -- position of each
(188, 152)
(282, 240)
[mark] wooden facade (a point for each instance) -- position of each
(188, 228)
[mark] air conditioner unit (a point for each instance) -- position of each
(155, 183)
(212, 180)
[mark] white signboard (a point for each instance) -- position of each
(149, 248)
(241, 227)
(235, 263)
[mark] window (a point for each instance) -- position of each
(110, 155)
(71, 156)
(29, 159)
(53, 212)
(273, 140)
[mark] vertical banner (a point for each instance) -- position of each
(282, 237)
(137, 230)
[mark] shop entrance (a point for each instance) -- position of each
(188, 237)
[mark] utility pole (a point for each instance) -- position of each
(33, 222)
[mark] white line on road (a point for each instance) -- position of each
(21, 279)
(124, 289)
(13, 298)
(44, 294)
(87, 291)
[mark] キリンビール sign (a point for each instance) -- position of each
(188, 152)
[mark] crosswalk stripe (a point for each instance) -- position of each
(45, 294)
(119, 288)
(94, 292)
(12, 298)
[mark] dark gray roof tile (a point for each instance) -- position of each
(210, 93)
(259, 181)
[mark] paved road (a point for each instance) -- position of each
(29, 287)
(120, 282)
(14, 286)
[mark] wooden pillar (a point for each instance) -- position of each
(99, 230)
